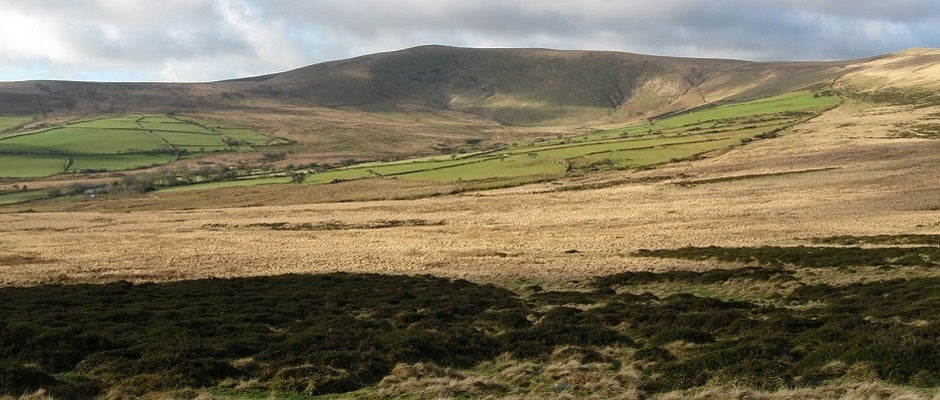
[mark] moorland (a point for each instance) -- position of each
(477, 223)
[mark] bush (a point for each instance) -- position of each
(329, 333)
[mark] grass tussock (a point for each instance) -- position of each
(331, 225)
(845, 391)
(906, 239)
(916, 97)
(306, 334)
(806, 256)
(424, 337)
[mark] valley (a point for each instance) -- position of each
(434, 223)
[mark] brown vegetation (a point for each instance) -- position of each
(844, 178)
(858, 181)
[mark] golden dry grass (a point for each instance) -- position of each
(858, 180)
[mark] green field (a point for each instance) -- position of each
(113, 144)
(162, 123)
(22, 196)
(389, 169)
(247, 135)
(125, 122)
(509, 167)
(12, 122)
(82, 140)
(789, 102)
(191, 141)
(106, 162)
(234, 132)
(677, 137)
(223, 184)
(136, 141)
(31, 165)
(18, 109)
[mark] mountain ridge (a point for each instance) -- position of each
(506, 85)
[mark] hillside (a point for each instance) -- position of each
(434, 99)
(575, 225)
(510, 86)
(532, 86)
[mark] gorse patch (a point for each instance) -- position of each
(352, 328)
(924, 239)
(331, 225)
(333, 333)
(811, 257)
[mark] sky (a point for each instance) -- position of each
(204, 40)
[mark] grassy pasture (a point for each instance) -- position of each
(12, 122)
(31, 165)
(18, 109)
(796, 101)
(22, 196)
(114, 162)
(235, 132)
(675, 137)
(83, 140)
(191, 140)
(338, 175)
(208, 123)
(383, 169)
(649, 156)
(117, 143)
(162, 123)
(512, 166)
(679, 136)
(246, 135)
(125, 122)
(225, 184)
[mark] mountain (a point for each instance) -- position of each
(433, 99)
(510, 86)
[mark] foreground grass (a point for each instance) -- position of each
(380, 336)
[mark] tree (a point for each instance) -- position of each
(297, 177)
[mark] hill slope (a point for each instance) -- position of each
(511, 86)
(435, 99)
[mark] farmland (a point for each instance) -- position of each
(777, 245)
(656, 142)
(117, 143)
(22, 196)
(653, 143)
(32, 165)
(7, 123)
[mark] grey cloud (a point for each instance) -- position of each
(908, 10)
(760, 30)
(216, 39)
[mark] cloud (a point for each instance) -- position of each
(217, 39)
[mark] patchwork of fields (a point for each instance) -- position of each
(658, 141)
(118, 143)
(804, 266)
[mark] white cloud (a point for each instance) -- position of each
(218, 39)
(27, 37)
